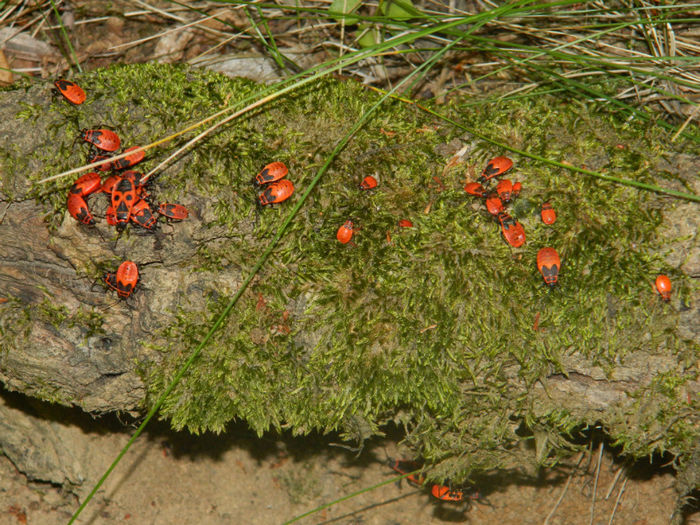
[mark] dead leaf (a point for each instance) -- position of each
(426, 129)
(438, 184)
(455, 160)
(171, 47)
(261, 304)
(6, 77)
(24, 45)
(258, 337)
(222, 19)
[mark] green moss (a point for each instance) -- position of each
(15, 324)
(369, 309)
(29, 112)
(89, 321)
(431, 326)
(48, 312)
(50, 393)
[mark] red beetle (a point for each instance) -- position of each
(548, 263)
(142, 215)
(345, 232)
(137, 176)
(71, 91)
(276, 192)
(86, 184)
(516, 189)
(476, 189)
(111, 279)
(130, 160)
(548, 214)
(495, 168)
(494, 204)
(368, 183)
(663, 286)
(513, 231)
(103, 139)
(403, 466)
(271, 173)
(111, 216)
(123, 200)
(109, 183)
(76, 203)
(405, 223)
(77, 207)
(445, 493)
(175, 212)
(505, 190)
(125, 280)
(96, 157)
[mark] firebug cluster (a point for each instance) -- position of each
(548, 262)
(496, 198)
(129, 200)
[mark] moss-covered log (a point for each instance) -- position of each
(442, 327)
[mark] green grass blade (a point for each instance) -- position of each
(579, 87)
(65, 36)
(350, 496)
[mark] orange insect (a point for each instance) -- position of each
(368, 183)
(271, 173)
(124, 280)
(505, 190)
(476, 189)
(137, 155)
(77, 195)
(276, 192)
(103, 139)
(141, 214)
(663, 286)
(72, 92)
(495, 168)
(123, 199)
(78, 209)
(86, 184)
(405, 223)
(444, 493)
(494, 204)
(548, 214)
(512, 230)
(516, 189)
(345, 232)
(548, 263)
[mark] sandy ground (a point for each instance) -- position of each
(238, 478)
